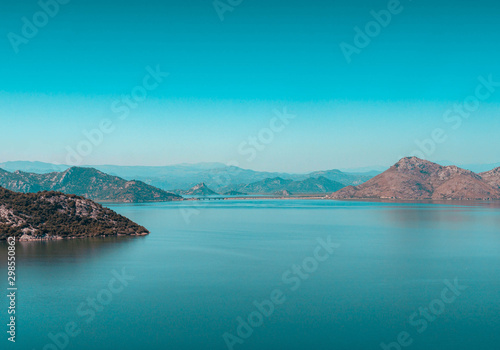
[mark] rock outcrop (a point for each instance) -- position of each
(492, 177)
(200, 190)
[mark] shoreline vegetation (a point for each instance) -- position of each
(55, 215)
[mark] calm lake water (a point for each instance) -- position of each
(203, 268)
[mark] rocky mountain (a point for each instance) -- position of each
(87, 182)
(278, 184)
(199, 190)
(492, 177)
(416, 179)
(54, 215)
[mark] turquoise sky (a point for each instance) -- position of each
(226, 78)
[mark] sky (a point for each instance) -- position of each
(268, 85)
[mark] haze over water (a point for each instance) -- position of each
(193, 280)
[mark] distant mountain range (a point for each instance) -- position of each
(33, 167)
(274, 185)
(409, 179)
(54, 215)
(216, 176)
(87, 182)
(416, 179)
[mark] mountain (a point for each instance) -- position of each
(278, 185)
(368, 171)
(266, 186)
(200, 190)
(344, 177)
(184, 176)
(492, 177)
(416, 179)
(221, 178)
(314, 185)
(54, 215)
(87, 182)
(234, 193)
(33, 167)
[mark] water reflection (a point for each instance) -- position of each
(411, 217)
(482, 204)
(75, 249)
(445, 217)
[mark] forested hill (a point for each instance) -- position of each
(87, 182)
(54, 215)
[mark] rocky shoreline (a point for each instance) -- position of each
(48, 216)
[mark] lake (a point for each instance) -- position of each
(268, 274)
